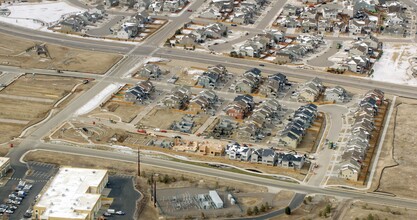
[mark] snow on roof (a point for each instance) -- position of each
(69, 193)
(3, 160)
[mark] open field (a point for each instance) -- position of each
(362, 210)
(311, 209)
(62, 58)
(398, 154)
(36, 96)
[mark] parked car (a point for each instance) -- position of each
(106, 214)
(190, 10)
(234, 25)
(120, 213)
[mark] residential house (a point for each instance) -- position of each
(274, 85)
(289, 160)
(139, 93)
(336, 94)
(358, 64)
(310, 91)
(178, 98)
(150, 70)
(269, 157)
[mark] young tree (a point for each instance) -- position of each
(249, 211)
(255, 210)
(288, 210)
(263, 208)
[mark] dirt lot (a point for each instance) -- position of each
(399, 148)
(36, 95)
(163, 118)
(62, 58)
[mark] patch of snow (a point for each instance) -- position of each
(394, 64)
(98, 99)
(122, 149)
(186, 31)
(195, 72)
(155, 60)
(47, 12)
(270, 58)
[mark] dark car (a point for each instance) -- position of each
(190, 10)
(261, 64)
(234, 25)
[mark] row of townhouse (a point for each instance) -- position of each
(303, 45)
(267, 156)
(241, 107)
(294, 131)
(240, 12)
(250, 81)
(360, 54)
(213, 77)
(139, 93)
(260, 44)
(361, 133)
(211, 31)
(179, 98)
(150, 5)
(133, 25)
(274, 85)
(203, 102)
(356, 17)
(262, 120)
(77, 21)
(309, 91)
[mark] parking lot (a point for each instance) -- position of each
(24, 185)
(124, 197)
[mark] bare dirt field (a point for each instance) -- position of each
(35, 96)
(163, 118)
(59, 57)
(398, 155)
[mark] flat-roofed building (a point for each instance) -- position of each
(4, 166)
(74, 193)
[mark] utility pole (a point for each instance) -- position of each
(138, 162)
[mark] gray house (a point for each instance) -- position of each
(150, 71)
(269, 157)
(336, 94)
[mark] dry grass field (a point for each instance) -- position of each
(398, 155)
(62, 58)
(28, 100)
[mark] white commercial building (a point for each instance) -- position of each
(218, 202)
(74, 193)
(4, 166)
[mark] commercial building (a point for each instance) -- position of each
(4, 166)
(74, 193)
